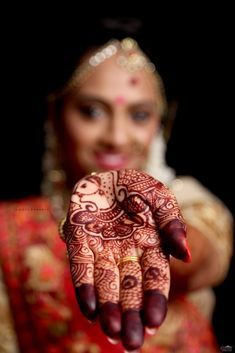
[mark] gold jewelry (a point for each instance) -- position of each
(128, 258)
(129, 56)
(60, 228)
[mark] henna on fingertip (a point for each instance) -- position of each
(132, 333)
(173, 237)
(87, 301)
(110, 319)
(154, 308)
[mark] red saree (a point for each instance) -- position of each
(41, 296)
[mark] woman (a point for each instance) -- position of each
(107, 117)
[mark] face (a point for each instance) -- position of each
(110, 120)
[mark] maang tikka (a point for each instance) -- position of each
(129, 56)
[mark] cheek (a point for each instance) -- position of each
(145, 136)
(79, 134)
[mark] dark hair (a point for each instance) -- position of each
(70, 45)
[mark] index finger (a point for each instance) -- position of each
(172, 227)
(173, 236)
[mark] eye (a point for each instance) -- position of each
(91, 112)
(140, 116)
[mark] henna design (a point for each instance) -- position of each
(117, 214)
(155, 269)
(107, 280)
(129, 282)
(82, 273)
(131, 285)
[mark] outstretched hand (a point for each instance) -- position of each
(120, 229)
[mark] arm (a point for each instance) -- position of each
(209, 235)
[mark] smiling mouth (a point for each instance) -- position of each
(111, 160)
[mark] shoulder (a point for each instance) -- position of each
(191, 194)
(24, 220)
(206, 212)
(188, 189)
(24, 209)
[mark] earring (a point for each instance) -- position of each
(53, 181)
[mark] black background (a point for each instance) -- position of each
(193, 53)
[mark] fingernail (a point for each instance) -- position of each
(111, 340)
(91, 322)
(135, 351)
(150, 331)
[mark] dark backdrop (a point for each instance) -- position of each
(194, 57)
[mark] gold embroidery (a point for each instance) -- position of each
(8, 341)
(213, 221)
(209, 215)
(45, 270)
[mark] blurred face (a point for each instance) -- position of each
(110, 120)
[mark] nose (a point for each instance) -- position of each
(118, 132)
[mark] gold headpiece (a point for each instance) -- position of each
(130, 57)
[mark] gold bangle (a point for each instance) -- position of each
(60, 228)
(128, 258)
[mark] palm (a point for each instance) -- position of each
(115, 218)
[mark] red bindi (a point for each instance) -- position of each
(134, 81)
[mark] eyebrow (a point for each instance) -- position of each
(84, 98)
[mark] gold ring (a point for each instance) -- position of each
(60, 228)
(128, 258)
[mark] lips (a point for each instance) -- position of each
(109, 161)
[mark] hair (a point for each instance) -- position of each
(129, 55)
(70, 46)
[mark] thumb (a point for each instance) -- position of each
(173, 237)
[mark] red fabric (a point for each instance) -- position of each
(44, 308)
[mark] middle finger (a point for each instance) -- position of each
(131, 303)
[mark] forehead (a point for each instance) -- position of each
(110, 80)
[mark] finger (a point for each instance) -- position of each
(156, 284)
(107, 286)
(82, 270)
(82, 274)
(173, 236)
(87, 301)
(170, 222)
(132, 330)
(131, 302)
(110, 319)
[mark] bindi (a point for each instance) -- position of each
(133, 81)
(120, 100)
